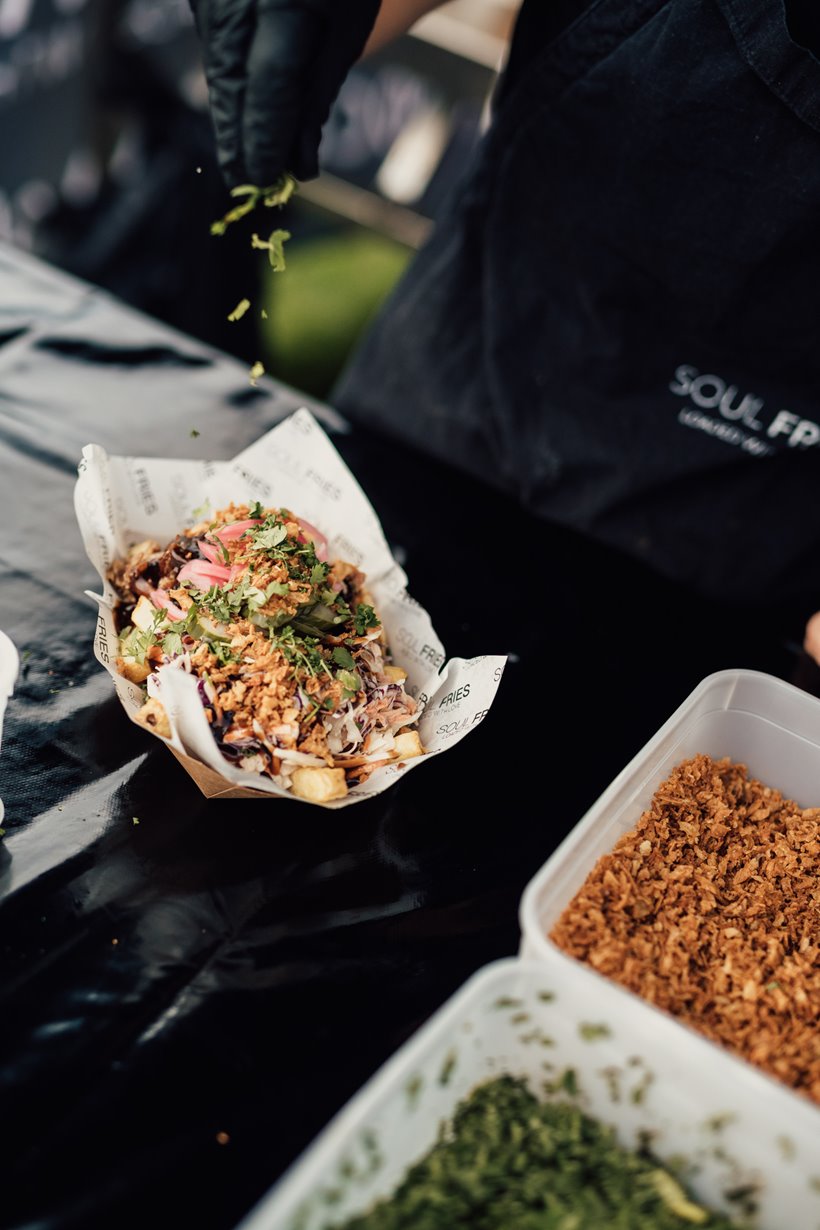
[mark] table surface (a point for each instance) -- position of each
(217, 968)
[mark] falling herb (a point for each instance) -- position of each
(275, 247)
(256, 371)
(249, 196)
(240, 310)
(194, 433)
(135, 820)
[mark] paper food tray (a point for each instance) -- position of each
(123, 500)
(723, 1127)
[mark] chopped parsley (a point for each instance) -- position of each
(135, 642)
(510, 1162)
(364, 617)
(171, 644)
(271, 534)
(302, 651)
(222, 652)
(343, 657)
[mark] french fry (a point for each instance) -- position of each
(142, 616)
(319, 785)
(136, 671)
(407, 745)
(153, 717)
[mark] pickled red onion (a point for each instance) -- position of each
(204, 574)
(209, 551)
(160, 599)
(227, 533)
(317, 537)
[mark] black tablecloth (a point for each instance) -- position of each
(188, 999)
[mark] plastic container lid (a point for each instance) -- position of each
(9, 667)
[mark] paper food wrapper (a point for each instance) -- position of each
(9, 666)
(123, 500)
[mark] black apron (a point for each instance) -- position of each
(619, 318)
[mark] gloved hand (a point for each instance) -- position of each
(274, 68)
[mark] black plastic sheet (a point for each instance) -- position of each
(189, 989)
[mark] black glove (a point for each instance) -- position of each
(274, 68)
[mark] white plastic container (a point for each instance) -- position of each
(9, 666)
(634, 1069)
(768, 725)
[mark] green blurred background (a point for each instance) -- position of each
(334, 283)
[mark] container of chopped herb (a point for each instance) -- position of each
(236, 625)
(540, 1096)
(693, 880)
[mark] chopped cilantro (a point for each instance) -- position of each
(506, 1161)
(222, 652)
(256, 512)
(301, 651)
(135, 642)
(270, 534)
(172, 643)
(343, 657)
(364, 617)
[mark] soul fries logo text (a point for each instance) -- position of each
(738, 417)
